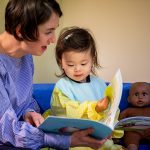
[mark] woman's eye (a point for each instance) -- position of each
(47, 33)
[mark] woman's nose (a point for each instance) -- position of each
(52, 39)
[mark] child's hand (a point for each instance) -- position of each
(102, 105)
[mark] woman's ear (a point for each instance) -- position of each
(18, 32)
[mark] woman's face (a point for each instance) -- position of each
(46, 36)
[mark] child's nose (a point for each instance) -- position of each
(77, 68)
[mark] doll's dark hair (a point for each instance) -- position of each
(135, 84)
(28, 15)
(78, 40)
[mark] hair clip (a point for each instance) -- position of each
(68, 36)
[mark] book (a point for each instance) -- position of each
(103, 128)
(133, 123)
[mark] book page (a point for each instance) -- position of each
(134, 123)
(113, 92)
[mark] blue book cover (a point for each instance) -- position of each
(61, 125)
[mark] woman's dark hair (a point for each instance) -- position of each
(28, 15)
(76, 39)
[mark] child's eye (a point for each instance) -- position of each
(70, 65)
(84, 64)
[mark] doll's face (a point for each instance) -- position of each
(139, 95)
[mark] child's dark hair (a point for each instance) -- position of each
(78, 39)
(28, 15)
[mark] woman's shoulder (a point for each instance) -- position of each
(10, 64)
(2, 65)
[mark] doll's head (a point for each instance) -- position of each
(139, 94)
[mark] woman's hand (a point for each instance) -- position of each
(102, 104)
(82, 139)
(33, 118)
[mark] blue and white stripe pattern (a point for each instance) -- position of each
(16, 75)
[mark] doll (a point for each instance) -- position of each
(139, 100)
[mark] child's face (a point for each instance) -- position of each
(77, 65)
(140, 95)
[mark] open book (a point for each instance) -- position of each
(102, 129)
(134, 123)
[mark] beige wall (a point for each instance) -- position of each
(122, 33)
(2, 14)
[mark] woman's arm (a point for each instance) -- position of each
(22, 134)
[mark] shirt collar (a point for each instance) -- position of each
(87, 80)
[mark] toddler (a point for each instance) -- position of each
(79, 93)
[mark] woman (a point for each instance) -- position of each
(29, 28)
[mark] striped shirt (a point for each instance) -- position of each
(16, 75)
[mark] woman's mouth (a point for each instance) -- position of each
(44, 48)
